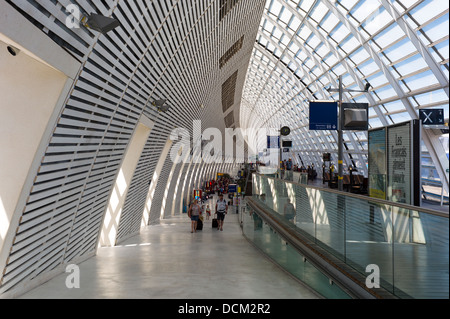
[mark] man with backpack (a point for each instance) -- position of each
(221, 210)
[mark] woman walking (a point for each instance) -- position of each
(194, 214)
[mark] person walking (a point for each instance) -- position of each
(194, 214)
(221, 210)
(208, 212)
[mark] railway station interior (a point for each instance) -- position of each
(323, 123)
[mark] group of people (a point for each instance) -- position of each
(286, 165)
(220, 185)
(196, 211)
(310, 169)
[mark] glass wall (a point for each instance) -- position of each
(409, 245)
(400, 47)
(271, 244)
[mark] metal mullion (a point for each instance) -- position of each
(349, 69)
(418, 44)
(260, 33)
(271, 57)
(317, 88)
(428, 140)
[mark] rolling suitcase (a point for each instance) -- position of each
(200, 225)
(215, 224)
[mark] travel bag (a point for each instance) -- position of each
(215, 224)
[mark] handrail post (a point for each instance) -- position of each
(341, 139)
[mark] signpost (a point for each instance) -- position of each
(341, 128)
(356, 116)
(232, 188)
(287, 144)
(284, 131)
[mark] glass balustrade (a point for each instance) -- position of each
(287, 257)
(409, 245)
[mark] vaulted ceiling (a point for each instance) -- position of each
(230, 64)
(303, 46)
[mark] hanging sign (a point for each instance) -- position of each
(273, 142)
(323, 116)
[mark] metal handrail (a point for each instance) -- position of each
(361, 197)
(344, 275)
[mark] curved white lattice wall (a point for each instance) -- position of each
(163, 49)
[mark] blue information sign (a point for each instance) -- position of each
(273, 142)
(323, 116)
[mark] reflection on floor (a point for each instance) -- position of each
(168, 262)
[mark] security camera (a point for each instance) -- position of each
(12, 50)
(367, 87)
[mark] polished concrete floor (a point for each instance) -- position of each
(167, 261)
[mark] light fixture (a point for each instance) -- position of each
(161, 105)
(12, 50)
(366, 89)
(99, 23)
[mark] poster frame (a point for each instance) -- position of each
(415, 128)
(385, 129)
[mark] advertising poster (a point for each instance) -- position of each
(377, 163)
(399, 164)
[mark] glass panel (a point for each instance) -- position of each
(409, 247)
(329, 220)
(304, 216)
(420, 255)
(369, 238)
(415, 82)
(271, 244)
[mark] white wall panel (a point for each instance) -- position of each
(163, 49)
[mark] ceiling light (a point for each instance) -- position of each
(161, 105)
(99, 23)
(12, 50)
